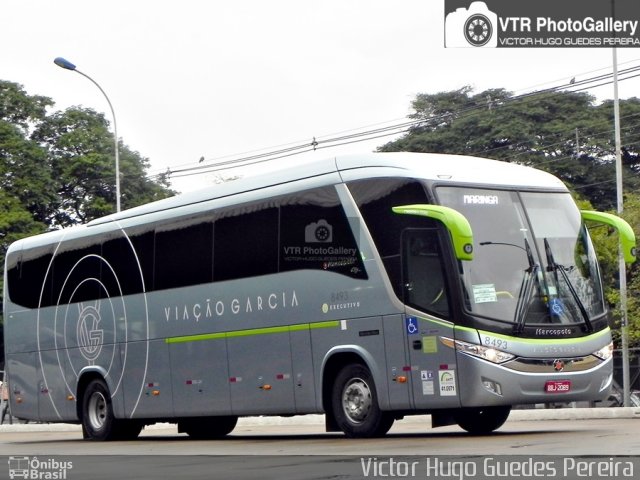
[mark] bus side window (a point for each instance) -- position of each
(423, 272)
(33, 272)
(315, 234)
(127, 264)
(375, 198)
(184, 254)
(75, 262)
(246, 242)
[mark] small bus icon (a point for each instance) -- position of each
(18, 467)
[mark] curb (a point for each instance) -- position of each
(574, 413)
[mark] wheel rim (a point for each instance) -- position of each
(97, 410)
(357, 400)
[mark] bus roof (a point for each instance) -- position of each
(441, 168)
(430, 166)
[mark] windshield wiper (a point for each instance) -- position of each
(522, 307)
(554, 267)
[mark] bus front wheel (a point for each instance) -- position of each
(482, 420)
(354, 404)
(98, 421)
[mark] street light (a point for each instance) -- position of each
(67, 65)
(622, 267)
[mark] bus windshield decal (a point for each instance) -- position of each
(481, 199)
(484, 293)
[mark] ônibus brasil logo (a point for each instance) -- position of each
(35, 468)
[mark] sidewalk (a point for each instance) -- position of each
(516, 416)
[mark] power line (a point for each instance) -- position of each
(514, 155)
(381, 132)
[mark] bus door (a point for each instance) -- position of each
(433, 376)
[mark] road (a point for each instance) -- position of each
(299, 448)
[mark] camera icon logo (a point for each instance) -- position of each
(474, 27)
(318, 232)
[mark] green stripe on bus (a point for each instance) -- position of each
(253, 331)
(539, 341)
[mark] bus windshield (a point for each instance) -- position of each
(533, 264)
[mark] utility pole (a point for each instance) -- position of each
(622, 268)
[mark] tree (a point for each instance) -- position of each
(561, 132)
(23, 172)
(81, 154)
(57, 169)
(607, 251)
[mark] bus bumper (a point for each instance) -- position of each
(482, 383)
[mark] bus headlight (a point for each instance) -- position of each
(490, 354)
(605, 353)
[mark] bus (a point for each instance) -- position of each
(365, 288)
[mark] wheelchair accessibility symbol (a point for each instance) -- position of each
(412, 325)
(556, 307)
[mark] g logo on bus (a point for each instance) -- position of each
(90, 337)
(558, 365)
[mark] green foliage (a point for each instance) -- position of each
(57, 169)
(631, 214)
(20, 109)
(563, 133)
(81, 151)
(566, 134)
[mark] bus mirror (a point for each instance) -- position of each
(456, 223)
(627, 236)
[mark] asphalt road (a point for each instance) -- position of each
(300, 449)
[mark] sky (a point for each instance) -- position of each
(215, 79)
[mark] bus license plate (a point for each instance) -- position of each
(557, 386)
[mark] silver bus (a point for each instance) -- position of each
(366, 288)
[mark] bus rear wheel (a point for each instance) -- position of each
(206, 428)
(354, 404)
(98, 420)
(482, 420)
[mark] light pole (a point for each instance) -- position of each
(67, 65)
(622, 268)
